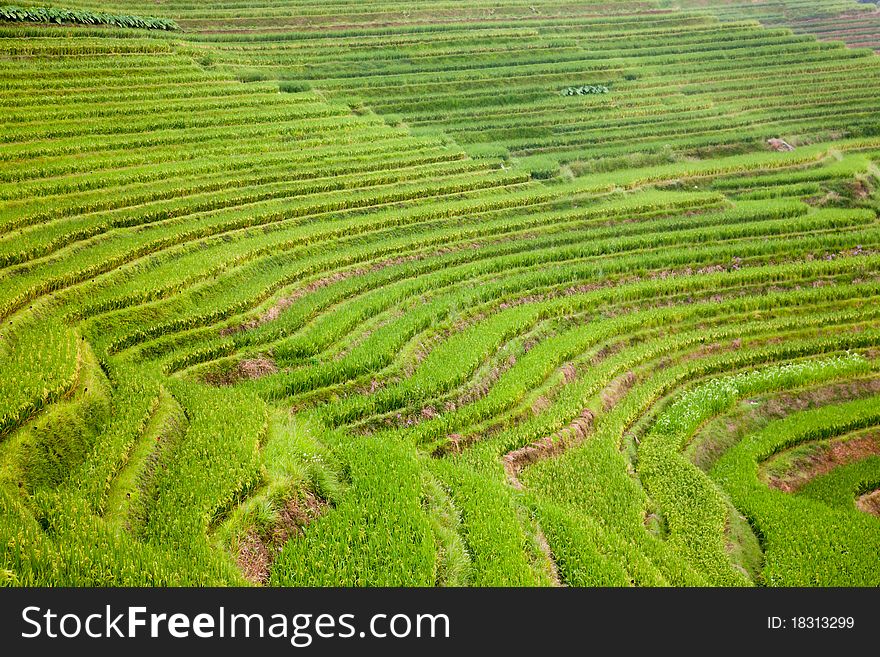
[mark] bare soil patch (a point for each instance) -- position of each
(870, 503)
(779, 145)
(247, 369)
(783, 405)
(823, 461)
(617, 390)
(257, 551)
(547, 447)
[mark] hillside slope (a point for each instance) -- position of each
(294, 300)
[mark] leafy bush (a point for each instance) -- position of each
(585, 90)
(55, 15)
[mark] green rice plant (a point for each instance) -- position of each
(40, 364)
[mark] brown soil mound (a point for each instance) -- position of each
(782, 405)
(547, 447)
(779, 145)
(824, 461)
(870, 503)
(617, 390)
(247, 369)
(257, 552)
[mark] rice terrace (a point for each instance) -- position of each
(397, 293)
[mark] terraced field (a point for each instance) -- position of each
(856, 24)
(680, 83)
(364, 295)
